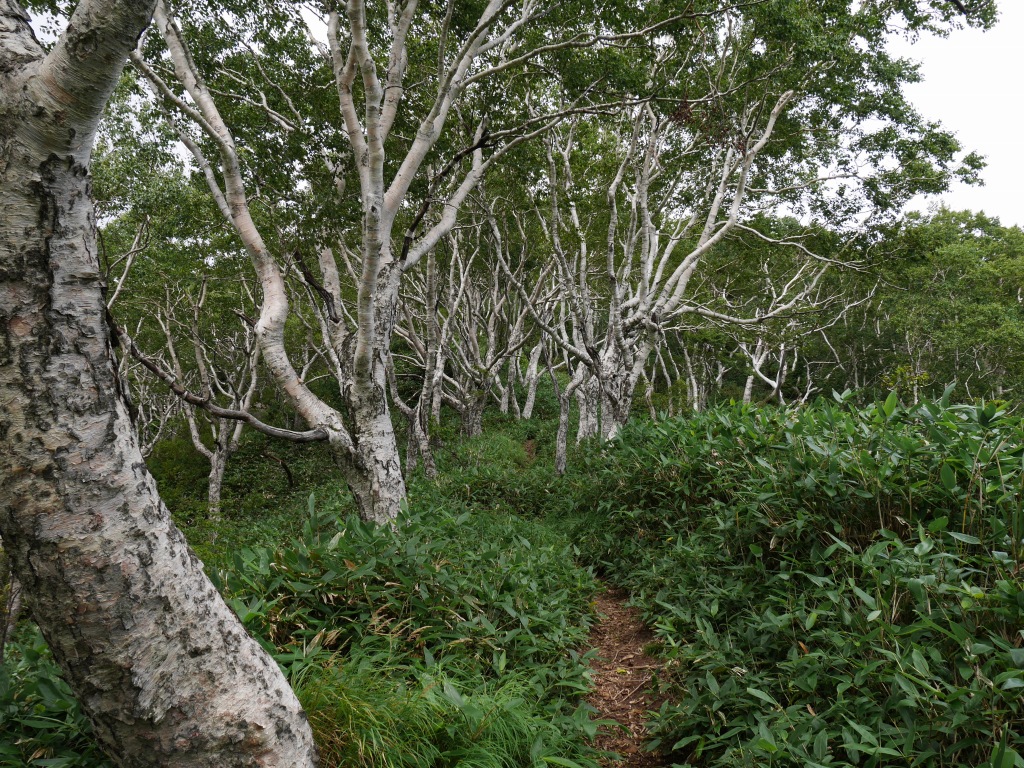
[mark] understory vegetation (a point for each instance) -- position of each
(832, 585)
(458, 638)
(829, 586)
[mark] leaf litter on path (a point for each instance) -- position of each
(622, 679)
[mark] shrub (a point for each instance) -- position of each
(476, 621)
(829, 586)
(40, 721)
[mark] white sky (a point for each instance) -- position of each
(972, 86)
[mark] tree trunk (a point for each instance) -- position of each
(615, 407)
(503, 401)
(418, 444)
(412, 449)
(218, 466)
(748, 390)
(111, 578)
(161, 665)
(532, 380)
(375, 475)
(419, 424)
(473, 413)
(587, 399)
(562, 438)
(10, 601)
(604, 413)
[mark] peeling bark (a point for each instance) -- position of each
(158, 661)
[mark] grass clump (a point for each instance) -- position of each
(368, 712)
(457, 640)
(829, 586)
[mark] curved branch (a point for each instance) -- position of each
(310, 436)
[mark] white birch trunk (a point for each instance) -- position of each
(532, 380)
(748, 389)
(160, 664)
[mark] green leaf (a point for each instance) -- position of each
(889, 406)
(946, 393)
(868, 600)
(821, 744)
(948, 477)
(763, 696)
(966, 538)
(1006, 756)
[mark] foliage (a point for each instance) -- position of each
(364, 712)
(40, 720)
(508, 468)
(262, 502)
(405, 649)
(945, 308)
(480, 645)
(966, 268)
(431, 590)
(829, 586)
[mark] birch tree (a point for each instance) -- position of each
(407, 204)
(748, 115)
(227, 372)
(612, 331)
(432, 303)
(492, 326)
(159, 662)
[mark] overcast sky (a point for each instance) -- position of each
(973, 87)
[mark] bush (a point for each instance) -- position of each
(828, 586)
(476, 621)
(40, 721)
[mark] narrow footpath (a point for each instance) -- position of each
(622, 675)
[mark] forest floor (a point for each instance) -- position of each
(622, 677)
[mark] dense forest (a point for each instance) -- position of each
(500, 383)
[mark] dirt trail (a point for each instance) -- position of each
(622, 674)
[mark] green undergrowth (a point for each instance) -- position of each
(459, 640)
(509, 468)
(829, 586)
(262, 502)
(40, 720)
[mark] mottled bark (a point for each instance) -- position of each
(218, 467)
(10, 601)
(562, 437)
(564, 397)
(532, 378)
(472, 416)
(605, 404)
(160, 664)
(374, 475)
(586, 402)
